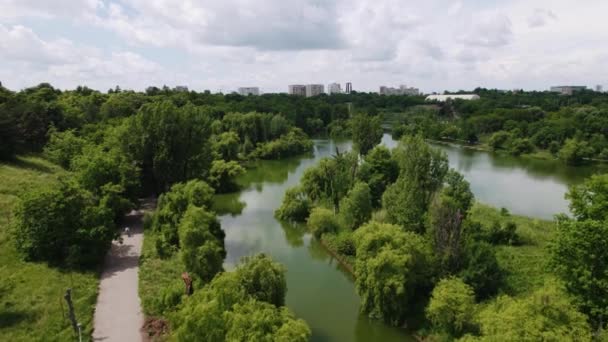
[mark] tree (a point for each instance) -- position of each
(356, 207)
(9, 135)
(259, 321)
(423, 170)
(520, 146)
(452, 306)
(263, 279)
(222, 175)
(579, 257)
(201, 241)
(171, 208)
(295, 205)
(546, 315)
(366, 132)
(589, 201)
(480, 268)
(500, 140)
(62, 224)
(227, 145)
(321, 221)
(574, 152)
(390, 265)
(378, 170)
(63, 147)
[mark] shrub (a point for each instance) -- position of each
(321, 221)
(499, 140)
(345, 244)
(481, 269)
(521, 146)
(169, 298)
(503, 234)
(222, 175)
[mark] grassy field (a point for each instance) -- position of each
(31, 294)
(525, 264)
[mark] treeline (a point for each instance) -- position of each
(571, 128)
(402, 219)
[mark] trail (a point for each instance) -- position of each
(118, 314)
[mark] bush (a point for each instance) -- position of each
(293, 143)
(452, 306)
(222, 175)
(62, 224)
(500, 140)
(503, 235)
(345, 244)
(295, 206)
(321, 221)
(356, 207)
(574, 152)
(521, 146)
(63, 147)
(169, 298)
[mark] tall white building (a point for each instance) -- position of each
(314, 89)
(334, 88)
(297, 89)
(249, 91)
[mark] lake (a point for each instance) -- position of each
(319, 290)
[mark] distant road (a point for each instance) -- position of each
(118, 315)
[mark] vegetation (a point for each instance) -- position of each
(571, 128)
(428, 244)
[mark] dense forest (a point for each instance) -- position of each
(426, 257)
(549, 125)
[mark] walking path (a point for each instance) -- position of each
(118, 315)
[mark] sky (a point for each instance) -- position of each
(221, 45)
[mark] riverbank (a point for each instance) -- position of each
(32, 307)
(538, 154)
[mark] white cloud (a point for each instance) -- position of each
(540, 17)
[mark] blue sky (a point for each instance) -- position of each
(435, 45)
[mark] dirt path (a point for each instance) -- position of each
(118, 315)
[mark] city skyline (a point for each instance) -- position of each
(437, 45)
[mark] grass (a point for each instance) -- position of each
(32, 307)
(156, 274)
(525, 264)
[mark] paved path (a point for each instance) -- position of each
(118, 315)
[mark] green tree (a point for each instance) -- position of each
(62, 224)
(259, 321)
(366, 132)
(222, 175)
(579, 257)
(545, 315)
(321, 221)
(574, 152)
(378, 170)
(295, 205)
(480, 268)
(227, 145)
(63, 147)
(590, 199)
(356, 207)
(263, 279)
(452, 306)
(9, 134)
(391, 264)
(201, 240)
(423, 170)
(500, 140)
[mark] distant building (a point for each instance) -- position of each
(297, 89)
(249, 91)
(349, 87)
(314, 89)
(181, 88)
(402, 90)
(599, 88)
(334, 88)
(443, 98)
(567, 90)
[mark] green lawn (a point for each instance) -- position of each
(31, 294)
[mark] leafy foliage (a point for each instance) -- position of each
(356, 207)
(452, 305)
(321, 221)
(390, 265)
(222, 175)
(366, 132)
(295, 206)
(589, 201)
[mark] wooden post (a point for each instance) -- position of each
(188, 282)
(71, 315)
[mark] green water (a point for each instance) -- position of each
(319, 290)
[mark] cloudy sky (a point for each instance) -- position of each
(435, 45)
